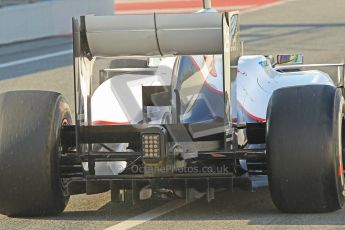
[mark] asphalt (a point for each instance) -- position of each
(313, 27)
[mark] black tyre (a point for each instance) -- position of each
(30, 123)
(304, 148)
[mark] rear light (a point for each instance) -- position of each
(151, 146)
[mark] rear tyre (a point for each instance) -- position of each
(30, 123)
(304, 149)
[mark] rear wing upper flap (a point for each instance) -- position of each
(155, 34)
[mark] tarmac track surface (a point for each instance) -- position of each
(313, 27)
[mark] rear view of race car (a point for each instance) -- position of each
(205, 118)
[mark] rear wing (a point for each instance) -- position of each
(157, 34)
(152, 35)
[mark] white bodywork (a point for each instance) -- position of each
(256, 81)
(118, 100)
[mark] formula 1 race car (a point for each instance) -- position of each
(199, 117)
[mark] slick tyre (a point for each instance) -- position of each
(304, 148)
(30, 123)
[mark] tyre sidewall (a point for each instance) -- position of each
(339, 106)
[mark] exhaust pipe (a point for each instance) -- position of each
(207, 4)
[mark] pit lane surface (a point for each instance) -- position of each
(314, 28)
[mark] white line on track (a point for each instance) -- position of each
(149, 215)
(37, 58)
